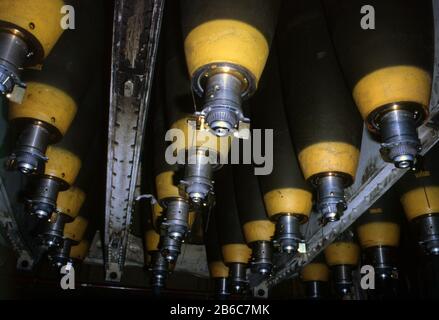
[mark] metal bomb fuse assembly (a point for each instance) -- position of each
(219, 272)
(158, 265)
(68, 205)
(174, 221)
(315, 277)
(73, 234)
(286, 195)
(44, 116)
(325, 127)
(378, 232)
(226, 45)
(392, 86)
(197, 149)
(28, 32)
(65, 161)
(419, 195)
(342, 256)
(54, 93)
(236, 253)
(82, 142)
(257, 228)
(59, 174)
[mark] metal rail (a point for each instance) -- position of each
(9, 227)
(135, 41)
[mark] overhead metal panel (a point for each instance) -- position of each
(135, 41)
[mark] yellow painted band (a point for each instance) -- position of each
(41, 18)
(226, 40)
(339, 253)
(329, 157)
(70, 201)
(47, 104)
(204, 138)
(288, 200)
(148, 259)
(420, 201)
(391, 85)
(152, 240)
(191, 218)
(218, 269)
(236, 253)
(422, 174)
(80, 251)
(165, 185)
(62, 164)
(315, 272)
(157, 212)
(378, 234)
(54, 217)
(75, 230)
(258, 230)
(171, 266)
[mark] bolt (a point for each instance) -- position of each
(128, 88)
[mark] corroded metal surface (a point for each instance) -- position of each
(135, 41)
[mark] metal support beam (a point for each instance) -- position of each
(135, 40)
(9, 228)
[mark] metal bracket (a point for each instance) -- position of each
(9, 227)
(260, 291)
(135, 41)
